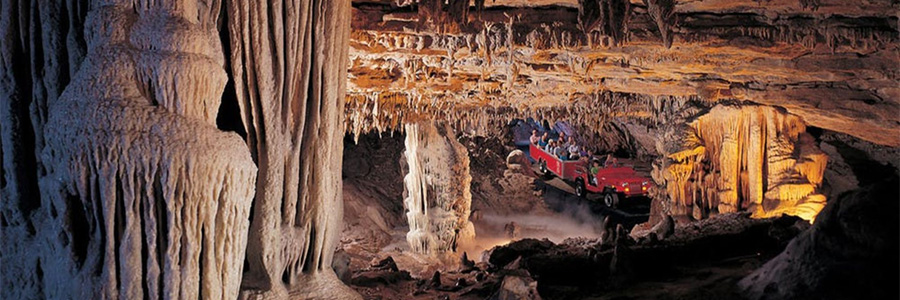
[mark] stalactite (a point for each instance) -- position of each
(607, 17)
(663, 13)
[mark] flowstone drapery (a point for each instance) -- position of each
(116, 182)
(438, 200)
(140, 195)
(752, 158)
(289, 64)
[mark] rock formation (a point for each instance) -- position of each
(825, 65)
(140, 194)
(850, 252)
(117, 182)
(438, 200)
(288, 61)
(747, 158)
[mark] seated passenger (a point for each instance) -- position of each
(562, 142)
(573, 149)
(544, 140)
(610, 161)
(535, 138)
(562, 153)
(551, 146)
(595, 168)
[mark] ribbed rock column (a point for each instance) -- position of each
(289, 64)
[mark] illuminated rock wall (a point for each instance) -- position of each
(438, 200)
(747, 158)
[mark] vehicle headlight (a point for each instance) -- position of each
(644, 183)
(624, 184)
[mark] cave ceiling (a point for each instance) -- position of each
(833, 63)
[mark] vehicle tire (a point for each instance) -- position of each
(580, 191)
(611, 199)
(544, 171)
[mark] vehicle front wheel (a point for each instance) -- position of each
(580, 191)
(611, 199)
(544, 171)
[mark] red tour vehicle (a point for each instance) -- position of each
(613, 181)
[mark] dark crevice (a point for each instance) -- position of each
(286, 276)
(23, 143)
(145, 245)
(162, 228)
(867, 170)
(229, 115)
(202, 261)
(63, 58)
(308, 264)
(118, 226)
(78, 226)
(101, 224)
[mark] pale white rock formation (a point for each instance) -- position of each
(116, 182)
(288, 62)
(438, 199)
(140, 195)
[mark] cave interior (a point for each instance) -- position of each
(393, 149)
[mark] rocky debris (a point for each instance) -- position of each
(383, 272)
(501, 186)
(387, 263)
(517, 288)
(591, 266)
(660, 231)
(435, 279)
(341, 265)
(501, 256)
(849, 253)
(466, 265)
(516, 161)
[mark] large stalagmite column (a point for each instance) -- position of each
(140, 195)
(289, 61)
(438, 199)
